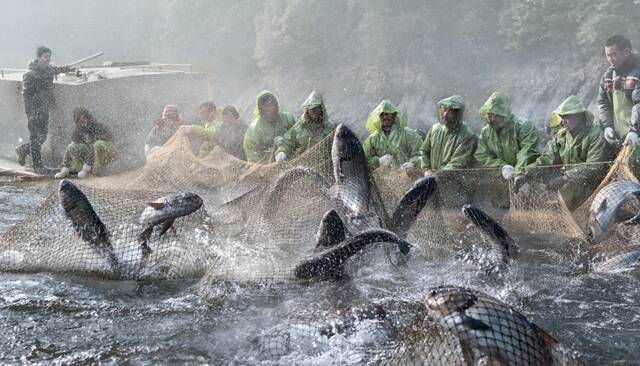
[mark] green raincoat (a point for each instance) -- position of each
(446, 148)
(258, 140)
(402, 142)
(206, 134)
(305, 134)
(587, 146)
(514, 143)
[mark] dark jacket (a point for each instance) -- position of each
(37, 84)
(230, 138)
(91, 133)
(626, 78)
(161, 132)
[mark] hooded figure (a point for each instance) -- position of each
(579, 141)
(449, 144)
(266, 131)
(397, 141)
(313, 126)
(507, 141)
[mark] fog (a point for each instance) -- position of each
(356, 52)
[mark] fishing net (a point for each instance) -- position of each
(488, 331)
(261, 220)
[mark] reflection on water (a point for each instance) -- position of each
(69, 319)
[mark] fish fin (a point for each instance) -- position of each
(145, 235)
(603, 206)
(474, 324)
(158, 205)
(549, 340)
(165, 226)
(331, 231)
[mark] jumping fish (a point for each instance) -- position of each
(604, 210)
(329, 264)
(493, 329)
(351, 173)
(411, 204)
(491, 227)
(85, 221)
(164, 211)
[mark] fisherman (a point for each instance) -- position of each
(313, 126)
(91, 148)
(619, 93)
(449, 144)
(579, 142)
(390, 140)
(163, 128)
(507, 142)
(231, 132)
(265, 134)
(36, 91)
(207, 130)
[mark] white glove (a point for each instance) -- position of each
(62, 173)
(281, 156)
(507, 171)
(85, 171)
(384, 159)
(185, 129)
(631, 139)
(408, 166)
(278, 140)
(610, 135)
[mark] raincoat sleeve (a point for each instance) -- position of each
(596, 152)
(370, 153)
(203, 132)
(249, 146)
(486, 157)
(425, 151)
(528, 147)
(605, 105)
(635, 111)
(463, 154)
(289, 142)
(414, 143)
(550, 156)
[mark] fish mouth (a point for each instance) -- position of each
(64, 184)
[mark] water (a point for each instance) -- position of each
(62, 319)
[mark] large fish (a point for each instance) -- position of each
(493, 329)
(604, 210)
(411, 204)
(622, 262)
(352, 180)
(329, 264)
(164, 211)
(491, 227)
(85, 221)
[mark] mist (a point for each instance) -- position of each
(355, 52)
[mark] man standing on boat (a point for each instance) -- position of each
(36, 91)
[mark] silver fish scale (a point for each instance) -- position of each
(510, 338)
(614, 193)
(620, 262)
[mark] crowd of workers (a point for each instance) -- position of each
(507, 142)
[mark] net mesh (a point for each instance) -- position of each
(259, 221)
